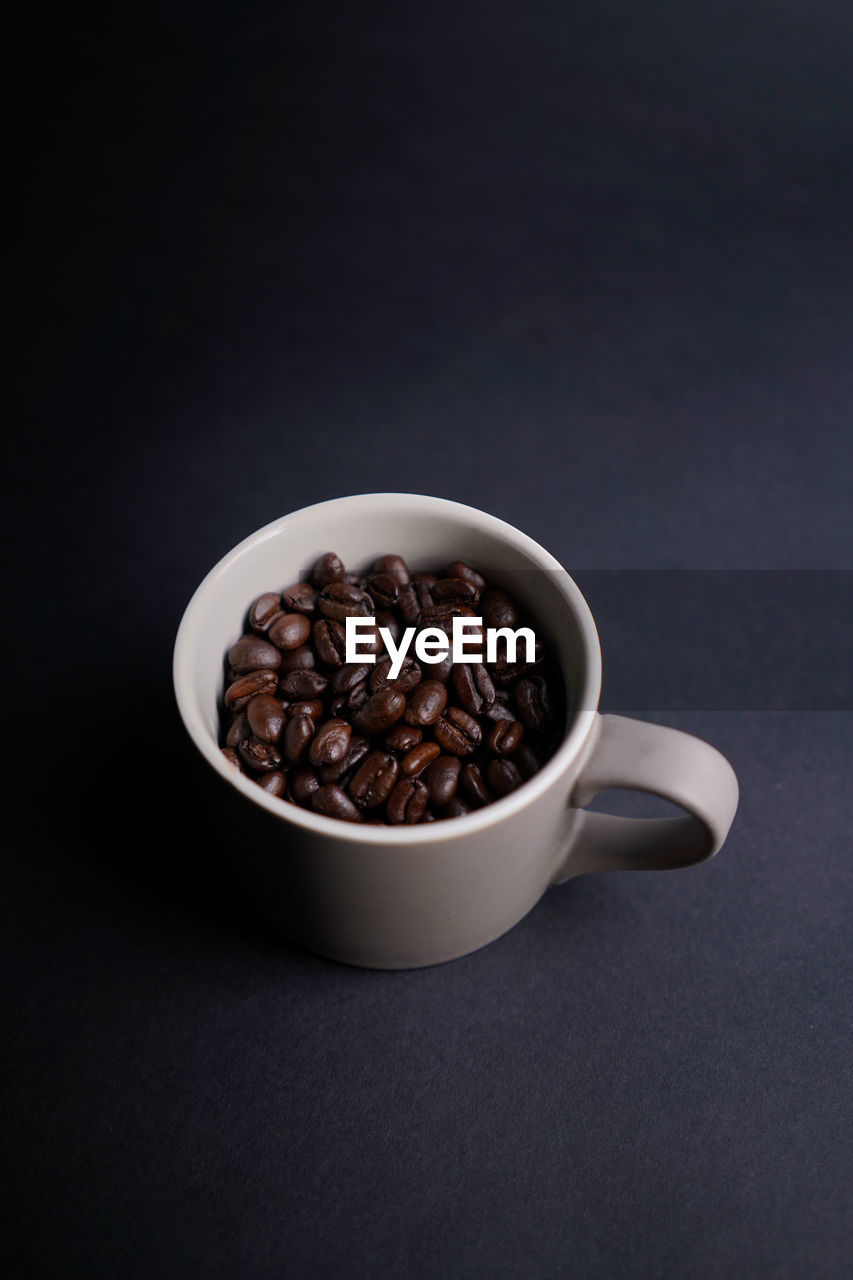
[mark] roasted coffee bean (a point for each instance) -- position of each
(505, 736)
(233, 759)
(358, 695)
(459, 569)
(356, 751)
(259, 755)
(408, 602)
(403, 737)
(383, 590)
(240, 729)
(275, 783)
(473, 686)
(426, 703)
(419, 757)
(457, 808)
(526, 761)
(442, 778)
(330, 742)
(395, 566)
(347, 677)
(330, 641)
(503, 776)
(329, 568)
(372, 782)
(443, 670)
(472, 782)
(264, 610)
(455, 591)
(303, 782)
(499, 709)
(248, 686)
(458, 732)
(407, 802)
(408, 676)
(266, 717)
(301, 659)
(300, 598)
(498, 609)
(252, 653)
(334, 803)
(382, 709)
(389, 622)
(340, 601)
(313, 708)
(354, 579)
(532, 697)
(298, 732)
(303, 684)
(425, 577)
(290, 630)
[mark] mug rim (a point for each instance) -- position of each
(418, 833)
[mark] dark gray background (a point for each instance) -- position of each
(589, 268)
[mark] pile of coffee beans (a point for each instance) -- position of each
(347, 740)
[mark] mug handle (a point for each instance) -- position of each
(668, 763)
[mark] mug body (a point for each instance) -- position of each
(377, 896)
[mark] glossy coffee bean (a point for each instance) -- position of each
(418, 758)
(348, 676)
(303, 782)
(459, 569)
(298, 733)
(382, 709)
(301, 597)
(407, 802)
(458, 732)
(457, 808)
(303, 684)
(498, 609)
(329, 568)
(248, 686)
(252, 653)
(526, 761)
(239, 730)
(455, 591)
(505, 737)
(312, 707)
(330, 742)
(382, 588)
(473, 784)
(533, 700)
(329, 638)
(266, 717)
(290, 631)
(426, 703)
(301, 659)
(442, 779)
(233, 759)
(263, 610)
(340, 601)
(403, 737)
(474, 687)
(334, 803)
(259, 756)
(408, 676)
(345, 768)
(503, 777)
(395, 567)
(374, 779)
(275, 783)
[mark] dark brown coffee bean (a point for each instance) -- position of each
(301, 659)
(329, 568)
(347, 677)
(442, 778)
(298, 732)
(303, 684)
(356, 751)
(330, 742)
(334, 803)
(403, 737)
(382, 709)
(442, 670)
(383, 590)
(527, 761)
(358, 695)
(300, 598)
(455, 591)
(388, 622)
(240, 729)
(408, 676)
(233, 759)
(266, 717)
(264, 610)
(275, 783)
(472, 782)
(241, 692)
(302, 783)
(354, 579)
(419, 758)
(426, 703)
(252, 653)
(473, 686)
(505, 736)
(259, 755)
(408, 602)
(498, 609)
(458, 732)
(374, 779)
(532, 697)
(459, 569)
(313, 708)
(341, 601)
(457, 808)
(290, 630)
(407, 802)
(503, 776)
(425, 578)
(330, 641)
(395, 566)
(499, 709)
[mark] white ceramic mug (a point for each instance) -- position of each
(401, 897)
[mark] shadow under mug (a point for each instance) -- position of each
(402, 897)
